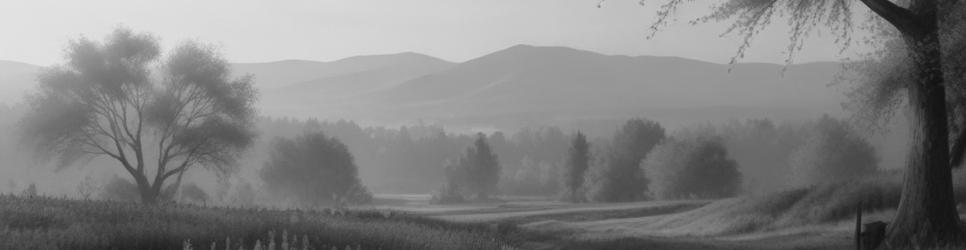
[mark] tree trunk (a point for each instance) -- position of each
(927, 211)
(149, 196)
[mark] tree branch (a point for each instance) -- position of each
(903, 19)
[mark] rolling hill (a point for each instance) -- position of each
(526, 85)
(281, 74)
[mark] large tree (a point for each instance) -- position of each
(156, 119)
(927, 213)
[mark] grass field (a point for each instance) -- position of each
(48, 223)
(818, 217)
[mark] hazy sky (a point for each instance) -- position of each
(36, 31)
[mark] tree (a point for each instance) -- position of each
(578, 161)
(927, 213)
(762, 150)
(620, 179)
(694, 164)
(482, 168)
(833, 152)
(107, 100)
(313, 169)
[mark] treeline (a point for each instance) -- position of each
(640, 161)
(411, 159)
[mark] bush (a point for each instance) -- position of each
(833, 152)
(694, 165)
(120, 189)
(313, 170)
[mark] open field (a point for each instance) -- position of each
(49, 223)
(544, 224)
(817, 217)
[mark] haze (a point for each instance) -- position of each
(380, 123)
(458, 30)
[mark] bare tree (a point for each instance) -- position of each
(927, 213)
(107, 101)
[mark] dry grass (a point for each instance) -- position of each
(825, 204)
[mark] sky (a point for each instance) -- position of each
(37, 31)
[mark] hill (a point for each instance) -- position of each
(281, 74)
(524, 86)
(541, 84)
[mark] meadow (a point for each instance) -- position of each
(814, 217)
(54, 223)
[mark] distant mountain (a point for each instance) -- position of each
(275, 75)
(16, 79)
(540, 83)
(525, 85)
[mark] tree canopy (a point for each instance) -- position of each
(156, 118)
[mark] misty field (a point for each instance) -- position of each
(817, 217)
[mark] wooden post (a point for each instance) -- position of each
(858, 227)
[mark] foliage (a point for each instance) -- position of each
(107, 101)
(48, 223)
(408, 159)
(476, 172)
(762, 150)
(833, 152)
(694, 164)
(620, 178)
(578, 161)
(313, 169)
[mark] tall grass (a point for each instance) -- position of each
(814, 205)
(50, 223)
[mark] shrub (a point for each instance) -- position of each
(694, 165)
(313, 170)
(833, 152)
(120, 189)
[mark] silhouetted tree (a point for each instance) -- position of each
(620, 179)
(927, 213)
(108, 101)
(482, 168)
(832, 152)
(694, 164)
(578, 161)
(313, 169)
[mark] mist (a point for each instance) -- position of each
(482, 125)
